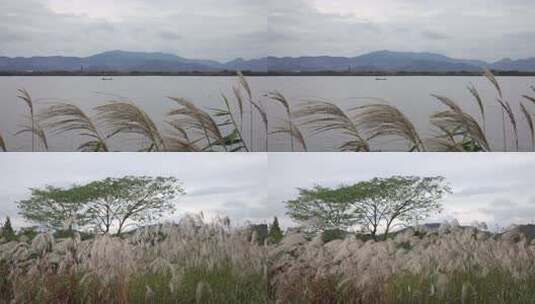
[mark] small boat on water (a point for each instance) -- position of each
(107, 78)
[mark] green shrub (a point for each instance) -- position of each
(333, 234)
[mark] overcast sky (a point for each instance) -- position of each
(491, 187)
(217, 184)
(226, 29)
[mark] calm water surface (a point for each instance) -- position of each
(411, 94)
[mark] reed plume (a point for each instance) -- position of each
(3, 144)
(64, 118)
(124, 117)
(293, 131)
(259, 108)
(189, 116)
(323, 117)
(239, 99)
(385, 120)
(456, 122)
(529, 120)
(230, 120)
(488, 74)
(532, 99)
(277, 96)
(37, 132)
(510, 114)
(178, 140)
(26, 97)
(479, 101)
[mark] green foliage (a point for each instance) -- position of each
(55, 207)
(27, 232)
(322, 208)
(102, 204)
(7, 232)
(397, 200)
(275, 232)
(65, 234)
(5, 283)
(379, 203)
(497, 286)
(259, 233)
(333, 234)
(221, 284)
(130, 200)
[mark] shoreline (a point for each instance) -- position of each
(266, 74)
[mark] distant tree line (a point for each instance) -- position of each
(375, 206)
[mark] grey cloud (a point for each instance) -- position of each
(218, 190)
(435, 35)
(482, 183)
(505, 212)
(213, 179)
(168, 35)
(226, 30)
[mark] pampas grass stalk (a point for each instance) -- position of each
(385, 120)
(37, 132)
(259, 108)
(455, 120)
(277, 96)
(233, 121)
(190, 116)
(475, 93)
(510, 114)
(25, 96)
(529, 120)
(293, 131)
(322, 116)
(64, 118)
(124, 117)
(488, 74)
(3, 143)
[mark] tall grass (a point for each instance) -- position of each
(189, 262)
(361, 128)
(455, 265)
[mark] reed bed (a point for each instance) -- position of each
(189, 262)
(453, 265)
(233, 128)
(194, 261)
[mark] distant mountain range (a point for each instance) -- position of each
(380, 61)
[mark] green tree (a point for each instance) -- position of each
(116, 203)
(323, 208)
(110, 203)
(7, 232)
(55, 208)
(275, 232)
(383, 203)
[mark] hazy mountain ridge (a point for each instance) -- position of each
(157, 61)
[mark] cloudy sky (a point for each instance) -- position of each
(226, 29)
(217, 184)
(491, 187)
(494, 188)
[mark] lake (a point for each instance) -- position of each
(412, 95)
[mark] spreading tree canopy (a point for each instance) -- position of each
(384, 203)
(322, 208)
(110, 203)
(374, 205)
(56, 208)
(121, 202)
